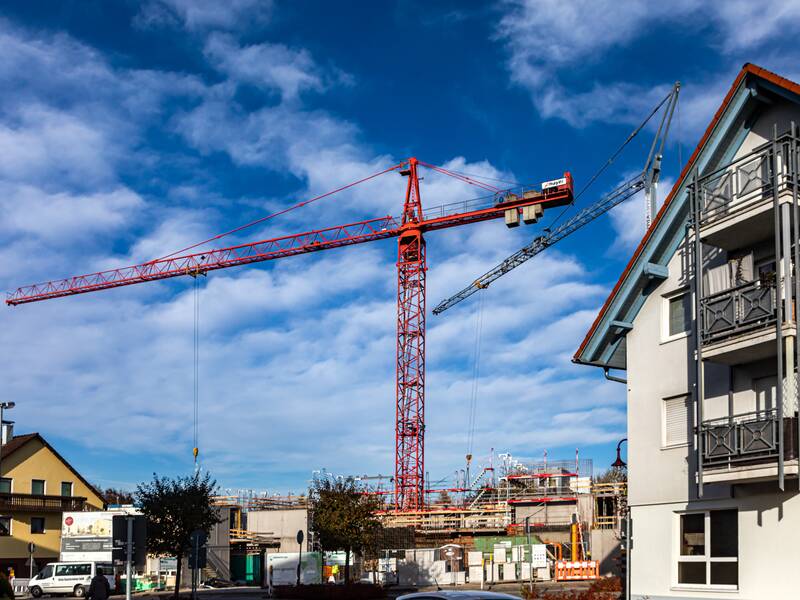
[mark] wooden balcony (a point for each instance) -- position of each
(10, 503)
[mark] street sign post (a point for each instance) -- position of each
(300, 556)
(129, 543)
(31, 550)
(197, 556)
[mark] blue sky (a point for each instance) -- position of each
(129, 130)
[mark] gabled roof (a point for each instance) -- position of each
(604, 344)
(19, 441)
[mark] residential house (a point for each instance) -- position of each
(36, 487)
(703, 320)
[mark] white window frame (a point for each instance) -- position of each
(705, 558)
(687, 399)
(10, 484)
(44, 485)
(665, 300)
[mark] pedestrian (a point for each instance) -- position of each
(270, 589)
(99, 589)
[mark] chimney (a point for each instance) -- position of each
(7, 431)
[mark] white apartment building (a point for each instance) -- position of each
(711, 360)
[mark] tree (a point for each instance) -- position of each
(174, 509)
(612, 475)
(343, 517)
(116, 495)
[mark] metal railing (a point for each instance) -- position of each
(746, 181)
(36, 503)
(746, 438)
(742, 308)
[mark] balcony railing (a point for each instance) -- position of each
(37, 503)
(737, 310)
(748, 438)
(746, 181)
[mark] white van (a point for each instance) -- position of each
(69, 578)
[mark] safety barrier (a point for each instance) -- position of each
(567, 570)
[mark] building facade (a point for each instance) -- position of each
(36, 487)
(703, 320)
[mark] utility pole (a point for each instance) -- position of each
(300, 556)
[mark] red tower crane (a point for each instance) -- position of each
(409, 483)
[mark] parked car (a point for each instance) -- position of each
(69, 578)
(465, 595)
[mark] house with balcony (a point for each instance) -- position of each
(704, 322)
(36, 487)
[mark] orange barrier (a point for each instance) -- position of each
(567, 570)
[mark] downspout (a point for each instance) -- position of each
(612, 377)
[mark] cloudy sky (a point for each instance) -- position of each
(131, 129)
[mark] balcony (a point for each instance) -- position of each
(736, 201)
(747, 446)
(10, 503)
(739, 323)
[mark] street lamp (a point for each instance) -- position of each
(3, 406)
(619, 463)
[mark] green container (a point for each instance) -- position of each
(247, 568)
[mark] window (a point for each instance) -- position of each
(5, 485)
(675, 419)
(74, 569)
(678, 314)
(5, 526)
(709, 549)
(66, 488)
(46, 573)
(37, 487)
(37, 524)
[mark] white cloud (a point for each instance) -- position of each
(62, 218)
(546, 39)
(270, 66)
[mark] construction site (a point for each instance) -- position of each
(482, 530)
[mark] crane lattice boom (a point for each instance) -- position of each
(541, 243)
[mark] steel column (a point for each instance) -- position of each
(697, 255)
(409, 478)
(792, 166)
(780, 304)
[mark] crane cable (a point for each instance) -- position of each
(282, 211)
(473, 402)
(612, 158)
(196, 365)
